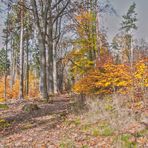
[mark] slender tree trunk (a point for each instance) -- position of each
(27, 68)
(21, 94)
(50, 58)
(5, 77)
(12, 65)
(98, 38)
(132, 52)
(13, 69)
(47, 67)
(54, 72)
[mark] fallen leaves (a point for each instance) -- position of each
(70, 131)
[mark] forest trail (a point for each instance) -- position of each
(55, 125)
(35, 123)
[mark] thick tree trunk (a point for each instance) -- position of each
(60, 77)
(42, 27)
(43, 80)
(50, 58)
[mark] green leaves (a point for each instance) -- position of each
(4, 65)
(129, 20)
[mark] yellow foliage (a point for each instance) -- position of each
(14, 92)
(141, 73)
(110, 78)
(2, 99)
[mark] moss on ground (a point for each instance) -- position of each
(30, 107)
(4, 106)
(4, 124)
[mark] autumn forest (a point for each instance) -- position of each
(65, 83)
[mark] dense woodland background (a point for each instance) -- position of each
(55, 48)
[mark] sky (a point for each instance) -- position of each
(112, 22)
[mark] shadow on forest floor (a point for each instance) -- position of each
(15, 120)
(108, 122)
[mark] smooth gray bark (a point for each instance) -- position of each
(21, 93)
(42, 29)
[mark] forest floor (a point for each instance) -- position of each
(62, 123)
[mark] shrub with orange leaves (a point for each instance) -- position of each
(2, 88)
(14, 91)
(112, 78)
(104, 80)
(33, 86)
(141, 73)
(140, 79)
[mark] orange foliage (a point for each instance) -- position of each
(141, 73)
(2, 88)
(104, 80)
(14, 92)
(113, 78)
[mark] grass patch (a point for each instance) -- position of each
(142, 133)
(105, 129)
(102, 130)
(96, 132)
(75, 122)
(4, 124)
(125, 138)
(27, 126)
(30, 107)
(4, 106)
(86, 127)
(109, 107)
(67, 144)
(107, 132)
(84, 146)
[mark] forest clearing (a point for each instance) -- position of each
(73, 74)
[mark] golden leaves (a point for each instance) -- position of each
(110, 78)
(14, 91)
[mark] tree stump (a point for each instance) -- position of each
(30, 107)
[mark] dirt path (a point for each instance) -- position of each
(34, 125)
(48, 127)
(53, 125)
